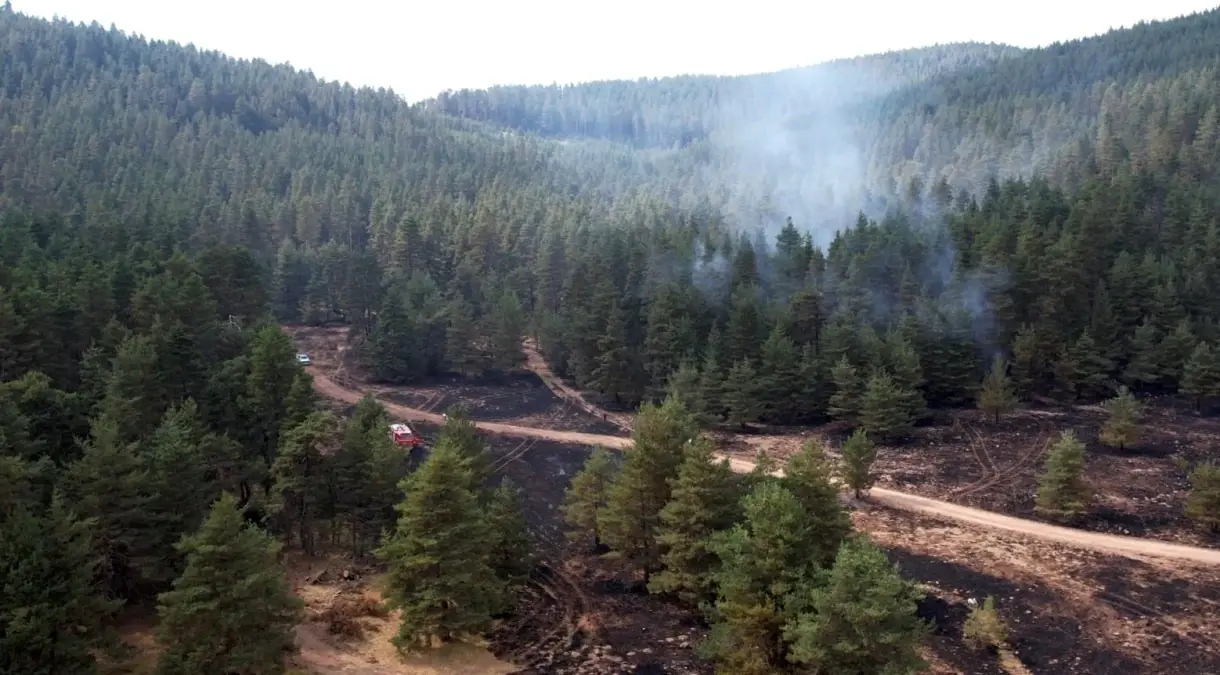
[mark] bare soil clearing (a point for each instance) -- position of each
(340, 595)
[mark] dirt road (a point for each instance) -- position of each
(1132, 547)
(333, 390)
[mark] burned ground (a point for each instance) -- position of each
(648, 633)
(1138, 491)
(1069, 611)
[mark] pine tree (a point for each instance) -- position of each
(859, 453)
(461, 351)
(767, 560)
(984, 628)
(746, 330)
(1203, 504)
(1091, 367)
(507, 330)
(631, 518)
(364, 476)
(613, 374)
(1061, 487)
(510, 547)
(1121, 429)
(711, 378)
(1144, 367)
(902, 362)
(300, 497)
(1174, 351)
(232, 610)
(264, 403)
(52, 613)
(885, 408)
(741, 395)
(586, 495)
(1201, 375)
(846, 399)
(460, 431)
(439, 575)
(1026, 361)
(180, 480)
(862, 621)
(135, 397)
(388, 349)
(779, 383)
(301, 400)
(814, 394)
(669, 337)
(995, 396)
(109, 485)
(705, 500)
(808, 475)
(683, 384)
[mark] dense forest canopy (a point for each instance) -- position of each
(836, 137)
(855, 241)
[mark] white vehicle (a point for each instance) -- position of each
(303, 359)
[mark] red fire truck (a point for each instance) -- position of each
(403, 435)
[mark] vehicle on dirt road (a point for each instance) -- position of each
(303, 359)
(402, 434)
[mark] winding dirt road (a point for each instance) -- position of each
(1131, 547)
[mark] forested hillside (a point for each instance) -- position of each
(163, 206)
(671, 111)
(961, 113)
(443, 242)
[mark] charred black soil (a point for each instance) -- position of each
(1068, 611)
(623, 629)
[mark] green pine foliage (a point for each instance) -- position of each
(203, 199)
(52, 612)
(809, 476)
(1062, 490)
(365, 470)
(1201, 374)
(1203, 504)
(741, 394)
(1121, 428)
(510, 546)
(109, 485)
(996, 396)
(859, 453)
(704, 501)
(861, 620)
(585, 497)
(301, 496)
(984, 628)
(767, 562)
(460, 432)
(232, 610)
(440, 574)
(886, 411)
(846, 401)
(631, 519)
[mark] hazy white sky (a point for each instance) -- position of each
(421, 47)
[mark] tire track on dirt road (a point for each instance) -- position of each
(1131, 547)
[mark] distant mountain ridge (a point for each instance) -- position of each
(660, 112)
(824, 139)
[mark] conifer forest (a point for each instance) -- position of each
(906, 363)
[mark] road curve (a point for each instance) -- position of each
(1132, 547)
